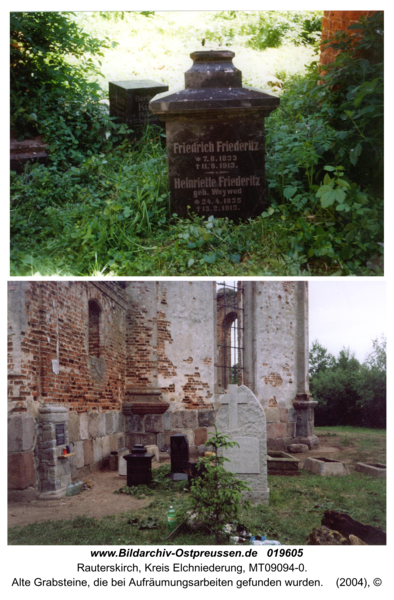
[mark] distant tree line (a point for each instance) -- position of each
(349, 392)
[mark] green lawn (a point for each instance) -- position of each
(297, 504)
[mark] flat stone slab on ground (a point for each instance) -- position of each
(281, 463)
(374, 469)
(325, 466)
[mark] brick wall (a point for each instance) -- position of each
(337, 20)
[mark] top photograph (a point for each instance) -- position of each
(194, 144)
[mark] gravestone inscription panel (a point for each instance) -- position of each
(129, 101)
(217, 168)
(215, 140)
(242, 418)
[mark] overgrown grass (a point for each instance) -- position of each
(297, 504)
(107, 212)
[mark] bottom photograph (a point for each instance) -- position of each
(196, 412)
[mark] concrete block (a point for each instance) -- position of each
(102, 424)
(21, 471)
(296, 448)
(134, 424)
(121, 440)
(113, 442)
(122, 463)
(206, 418)
(154, 423)
(200, 436)
(272, 415)
(21, 432)
(93, 427)
(167, 421)
(84, 426)
(97, 450)
(79, 458)
(325, 466)
(121, 423)
(73, 427)
(153, 450)
(106, 445)
(109, 423)
(88, 452)
(184, 419)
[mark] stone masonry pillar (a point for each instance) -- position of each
(303, 404)
(53, 469)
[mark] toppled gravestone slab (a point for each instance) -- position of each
(29, 150)
(373, 536)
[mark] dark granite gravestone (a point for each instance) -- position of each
(129, 102)
(179, 457)
(60, 434)
(215, 140)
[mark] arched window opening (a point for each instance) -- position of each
(230, 334)
(94, 328)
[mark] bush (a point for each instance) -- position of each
(51, 95)
(216, 494)
(349, 393)
(335, 127)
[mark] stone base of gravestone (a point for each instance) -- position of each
(179, 457)
(122, 464)
(242, 418)
(129, 102)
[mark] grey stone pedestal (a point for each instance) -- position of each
(54, 468)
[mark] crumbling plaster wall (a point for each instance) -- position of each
(187, 343)
(276, 360)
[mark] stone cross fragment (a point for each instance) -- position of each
(233, 399)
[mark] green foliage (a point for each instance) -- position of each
(337, 127)
(349, 393)
(352, 94)
(111, 205)
(216, 494)
(273, 28)
(296, 505)
(319, 359)
(51, 93)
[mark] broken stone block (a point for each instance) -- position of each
(323, 536)
(295, 448)
(325, 466)
(374, 469)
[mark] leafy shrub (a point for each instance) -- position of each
(335, 127)
(50, 94)
(215, 496)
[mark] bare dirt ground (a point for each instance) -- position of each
(96, 502)
(100, 500)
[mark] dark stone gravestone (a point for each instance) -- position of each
(60, 434)
(179, 457)
(129, 102)
(139, 466)
(215, 139)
